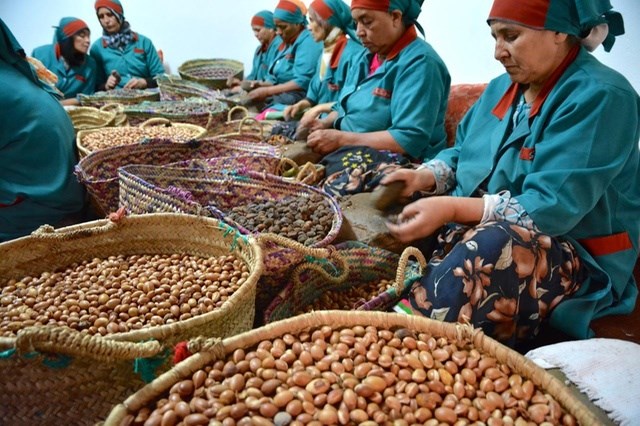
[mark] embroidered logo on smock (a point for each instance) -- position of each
(383, 93)
(333, 87)
(136, 50)
(289, 56)
(527, 154)
(81, 78)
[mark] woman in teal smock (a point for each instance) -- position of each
(392, 107)
(125, 59)
(68, 59)
(539, 197)
(289, 75)
(329, 22)
(37, 185)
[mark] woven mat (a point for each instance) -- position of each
(603, 369)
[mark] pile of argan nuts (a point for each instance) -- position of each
(117, 136)
(307, 220)
(349, 299)
(121, 293)
(359, 375)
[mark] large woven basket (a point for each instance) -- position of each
(463, 337)
(84, 118)
(98, 171)
(174, 88)
(201, 113)
(113, 133)
(365, 265)
(54, 375)
(211, 72)
(120, 96)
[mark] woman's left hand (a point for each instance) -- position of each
(421, 219)
(324, 141)
(136, 83)
(259, 94)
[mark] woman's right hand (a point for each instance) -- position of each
(414, 180)
(112, 81)
(290, 111)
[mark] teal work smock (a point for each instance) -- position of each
(574, 167)
(72, 81)
(263, 58)
(37, 185)
(138, 59)
(296, 62)
(342, 59)
(407, 96)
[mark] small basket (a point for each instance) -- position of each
(211, 72)
(113, 133)
(56, 375)
(98, 171)
(174, 88)
(399, 326)
(85, 118)
(120, 96)
(365, 264)
(201, 113)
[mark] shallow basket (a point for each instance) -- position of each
(461, 336)
(205, 114)
(174, 88)
(211, 72)
(98, 171)
(55, 375)
(84, 118)
(120, 96)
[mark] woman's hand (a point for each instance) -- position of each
(136, 83)
(112, 81)
(325, 141)
(421, 219)
(259, 94)
(414, 180)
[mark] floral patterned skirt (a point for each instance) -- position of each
(497, 276)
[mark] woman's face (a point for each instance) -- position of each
(317, 28)
(81, 41)
(263, 34)
(287, 31)
(108, 20)
(529, 56)
(378, 30)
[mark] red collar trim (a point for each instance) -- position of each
(503, 105)
(341, 43)
(56, 49)
(409, 35)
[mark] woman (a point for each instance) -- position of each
(537, 205)
(264, 29)
(329, 22)
(37, 185)
(289, 75)
(68, 59)
(392, 107)
(125, 58)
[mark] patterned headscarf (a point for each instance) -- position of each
(291, 11)
(336, 13)
(114, 6)
(264, 18)
(586, 19)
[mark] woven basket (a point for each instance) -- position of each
(120, 96)
(146, 189)
(201, 113)
(211, 72)
(73, 378)
(98, 171)
(174, 88)
(462, 336)
(84, 118)
(113, 133)
(365, 264)
(121, 118)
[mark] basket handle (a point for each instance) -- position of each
(402, 266)
(48, 232)
(309, 173)
(112, 106)
(288, 168)
(71, 342)
(253, 121)
(156, 121)
(236, 109)
(269, 237)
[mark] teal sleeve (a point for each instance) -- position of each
(306, 62)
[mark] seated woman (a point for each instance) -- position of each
(536, 206)
(125, 59)
(393, 104)
(264, 29)
(289, 75)
(67, 58)
(37, 185)
(329, 22)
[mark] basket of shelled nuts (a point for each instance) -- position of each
(89, 311)
(92, 140)
(211, 72)
(371, 275)
(361, 368)
(98, 171)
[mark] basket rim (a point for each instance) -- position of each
(455, 331)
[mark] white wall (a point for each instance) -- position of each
(189, 29)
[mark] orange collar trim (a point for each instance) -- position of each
(409, 35)
(341, 43)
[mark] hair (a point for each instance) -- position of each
(324, 24)
(70, 54)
